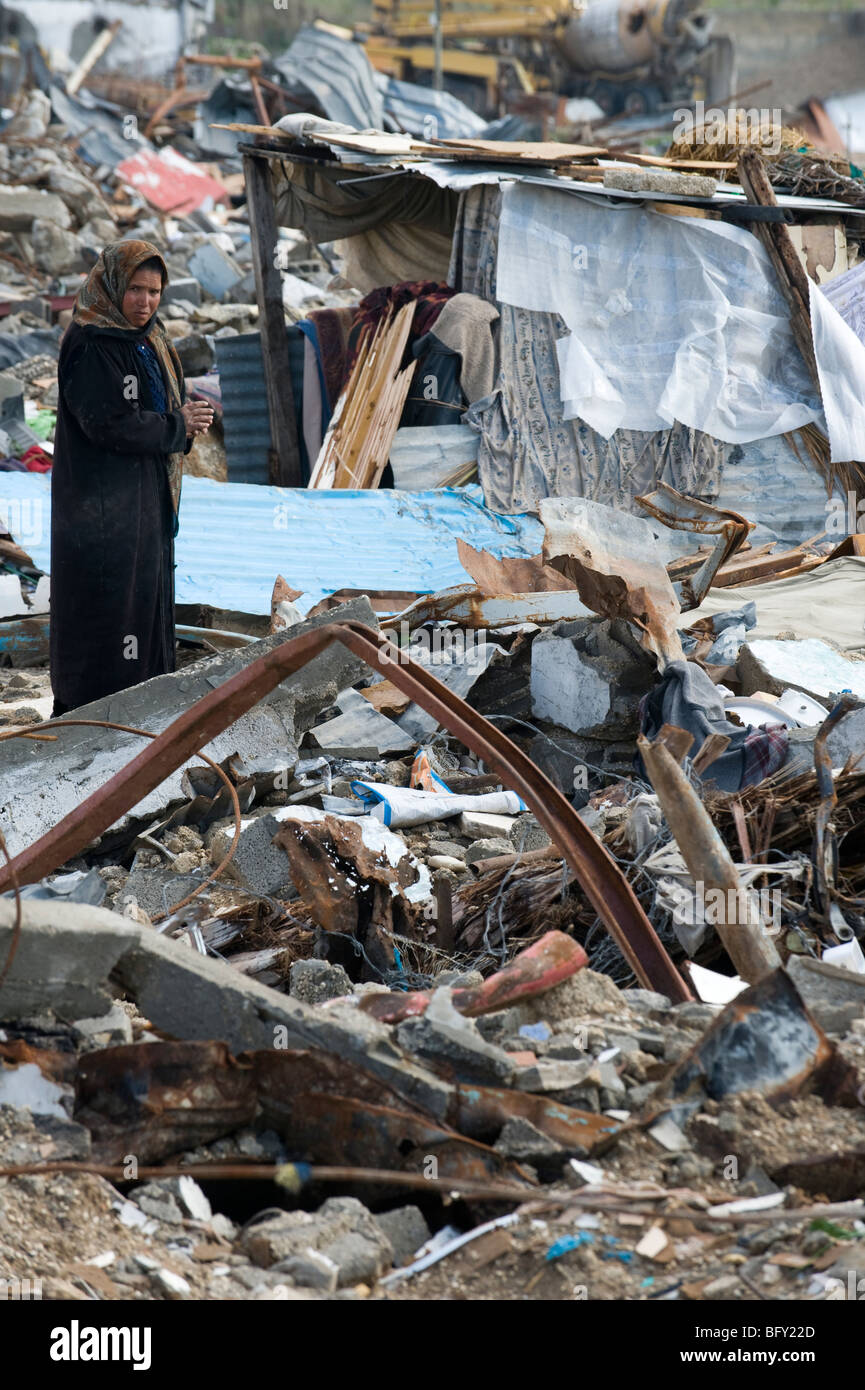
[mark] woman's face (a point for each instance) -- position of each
(142, 297)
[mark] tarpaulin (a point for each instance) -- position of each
(841, 367)
(669, 318)
(389, 229)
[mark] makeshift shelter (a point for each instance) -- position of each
(642, 334)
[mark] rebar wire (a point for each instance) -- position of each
(147, 733)
(292, 1177)
(583, 762)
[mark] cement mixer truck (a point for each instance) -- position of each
(630, 56)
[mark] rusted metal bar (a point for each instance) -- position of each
(595, 869)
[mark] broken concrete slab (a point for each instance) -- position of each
(20, 206)
(56, 250)
(342, 1230)
(820, 983)
(589, 676)
(44, 782)
(359, 731)
(458, 667)
(444, 1037)
(68, 952)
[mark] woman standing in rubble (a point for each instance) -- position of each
(122, 431)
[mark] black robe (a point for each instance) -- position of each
(112, 522)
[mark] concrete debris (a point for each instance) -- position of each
(511, 944)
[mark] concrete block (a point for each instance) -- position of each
(315, 981)
(847, 739)
(544, 1077)
(406, 1229)
(487, 849)
(20, 206)
(186, 288)
(214, 269)
(342, 1230)
(258, 864)
(444, 1036)
(826, 985)
(196, 354)
(157, 890)
(633, 180)
(523, 1142)
(589, 676)
(11, 397)
(480, 825)
(526, 834)
(311, 1270)
(40, 791)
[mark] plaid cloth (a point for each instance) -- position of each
(765, 752)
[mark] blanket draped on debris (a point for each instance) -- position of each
(528, 450)
(389, 229)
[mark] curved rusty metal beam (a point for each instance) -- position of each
(596, 871)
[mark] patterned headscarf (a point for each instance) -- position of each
(99, 305)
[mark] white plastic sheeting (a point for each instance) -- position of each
(670, 318)
(841, 367)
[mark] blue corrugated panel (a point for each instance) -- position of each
(245, 420)
(235, 538)
(245, 417)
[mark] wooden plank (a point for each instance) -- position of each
(775, 237)
(754, 570)
(357, 445)
(285, 469)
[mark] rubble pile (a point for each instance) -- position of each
(478, 908)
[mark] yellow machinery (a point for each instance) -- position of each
(628, 55)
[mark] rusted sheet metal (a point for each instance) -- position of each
(155, 1099)
(743, 932)
(683, 513)
(546, 963)
(467, 605)
(158, 1099)
(350, 888)
(610, 556)
(56, 1066)
(481, 1111)
(765, 1040)
(511, 574)
(597, 872)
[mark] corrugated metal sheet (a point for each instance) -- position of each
(338, 74)
(234, 538)
(245, 421)
(428, 114)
